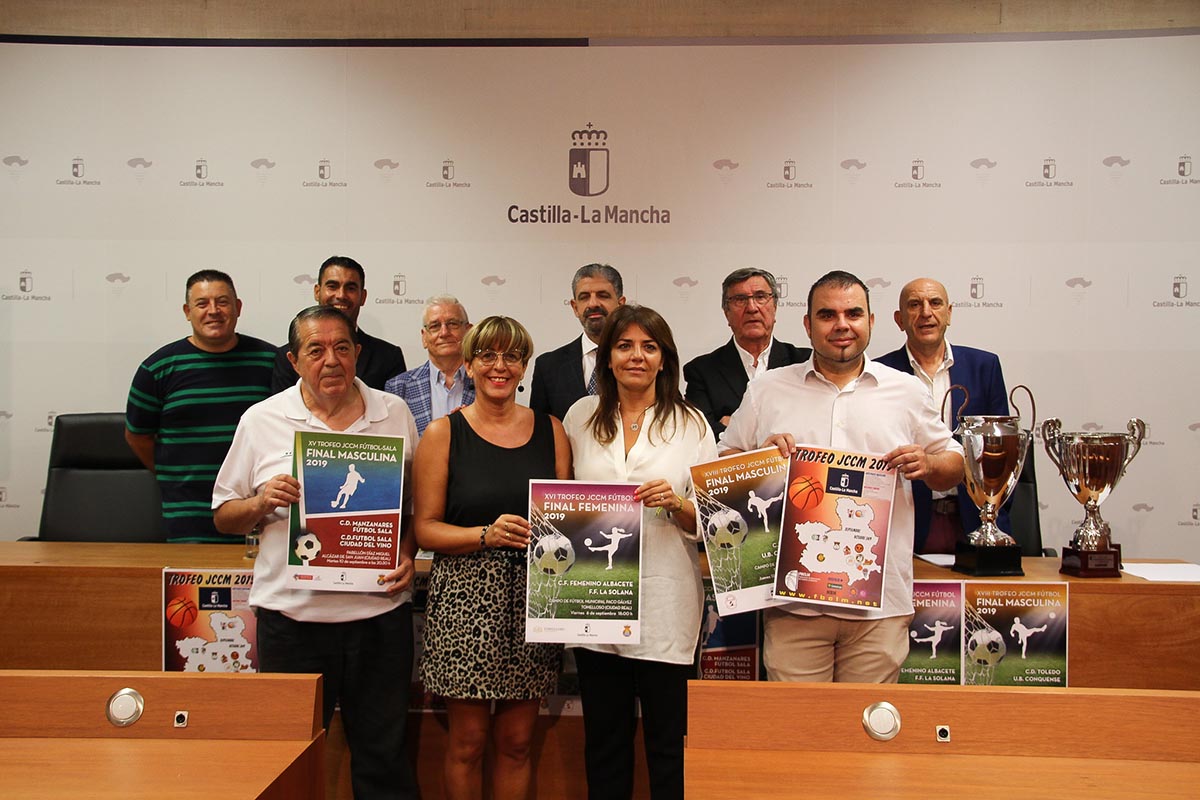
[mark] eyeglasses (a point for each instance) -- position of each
(451, 326)
(743, 300)
(488, 357)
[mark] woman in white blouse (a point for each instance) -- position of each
(639, 428)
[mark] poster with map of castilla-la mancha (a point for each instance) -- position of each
(208, 625)
(834, 537)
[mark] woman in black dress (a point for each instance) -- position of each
(471, 475)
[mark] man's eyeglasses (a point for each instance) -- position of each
(451, 326)
(488, 357)
(743, 300)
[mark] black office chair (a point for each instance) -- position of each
(1024, 514)
(96, 488)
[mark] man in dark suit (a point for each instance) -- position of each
(562, 376)
(342, 283)
(440, 385)
(943, 518)
(716, 381)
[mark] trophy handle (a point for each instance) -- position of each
(950, 391)
(1051, 429)
(1012, 399)
(1137, 430)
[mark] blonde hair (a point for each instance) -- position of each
(500, 334)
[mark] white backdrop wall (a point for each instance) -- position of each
(888, 160)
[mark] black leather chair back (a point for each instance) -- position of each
(96, 489)
(1023, 511)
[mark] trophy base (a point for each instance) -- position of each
(1092, 563)
(992, 560)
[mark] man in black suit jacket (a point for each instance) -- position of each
(342, 283)
(716, 381)
(560, 377)
(924, 315)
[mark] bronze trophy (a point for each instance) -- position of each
(994, 449)
(1092, 464)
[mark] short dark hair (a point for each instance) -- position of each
(841, 280)
(345, 262)
(745, 274)
(316, 313)
(598, 271)
(208, 276)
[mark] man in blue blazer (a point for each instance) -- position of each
(716, 381)
(562, 376)
(440, 385)
(924, 315)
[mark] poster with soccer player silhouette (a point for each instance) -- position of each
(1016, 633)
(585, 559)
(834, 537)
(935, 634)
(739, 500)
(345, 531)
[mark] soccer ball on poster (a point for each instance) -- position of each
(725, 529)
(308, 547)
(986, 647)
(553, 554)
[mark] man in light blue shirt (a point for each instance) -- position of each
(440, 385)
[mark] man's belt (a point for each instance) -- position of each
(945, 505)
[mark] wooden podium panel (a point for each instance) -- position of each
(247, 736)
(91, 605)
(766, 739)
(1125, 632)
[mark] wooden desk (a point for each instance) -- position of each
(98, 606)
(248, 736)
(1070, 744)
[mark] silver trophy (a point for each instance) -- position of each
(994, 449)
(1091, 464)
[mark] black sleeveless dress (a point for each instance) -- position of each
(475, 623)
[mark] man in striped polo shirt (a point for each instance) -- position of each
(186, 400)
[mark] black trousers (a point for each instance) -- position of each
(609, 685)
(367, 666)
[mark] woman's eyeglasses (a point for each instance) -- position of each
(488, 357)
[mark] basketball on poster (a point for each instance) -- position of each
(208, 625)
(834, 536)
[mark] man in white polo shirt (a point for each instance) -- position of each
(360, 642)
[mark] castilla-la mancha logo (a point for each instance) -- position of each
(588, 175)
